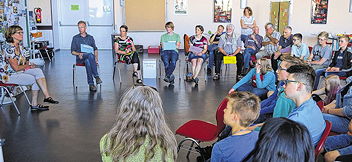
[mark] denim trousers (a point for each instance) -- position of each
(248, 52)
(339, 124)
(211, 49)
(320, 72)
(261, 92)
(169, 58)
(341, 143)
(91, 66)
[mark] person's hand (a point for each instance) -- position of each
(277, 54)
(231, 90)
(128, 50)
(325, 110)
(80, 55)
(253, 37)
(258, 67)
(96, 61)
(335, 69)
(350, 128)
(33, 66)
(268, 35)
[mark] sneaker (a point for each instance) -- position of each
(98, 80)
(216, 77)
(39, 108)
(139, 81)
(92, 88)
(135, 74)
(209, 71)
(167, 79)
(172, 77)
(51, 100)
(196, 80)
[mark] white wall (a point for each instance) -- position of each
(201, 12)
(46, 10)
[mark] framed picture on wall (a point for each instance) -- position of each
(222, 11)
(181, 7)
(319, 12)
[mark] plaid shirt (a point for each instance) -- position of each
(270, 49)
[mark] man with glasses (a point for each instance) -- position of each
(270, 41)
(285, 44)
(83, 46)
(299, 87)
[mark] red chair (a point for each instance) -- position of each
(310, 49)
(7, 92)
(198, 131)
(323, 138)
(320, 105)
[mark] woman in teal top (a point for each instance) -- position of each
(140, 132)
(258, 86)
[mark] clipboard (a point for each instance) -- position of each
(169, 45)
(230, 60)
(87, 49)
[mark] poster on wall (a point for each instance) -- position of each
(319, 13)
(222, 11)
(181, 7)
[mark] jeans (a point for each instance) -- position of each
(341, 143)
(169, 58)
(339, 124)
(248, 52)
(91, 66)
(218, 61)
(211, 49)
(320, 72)
(243, 37)
(261, 92)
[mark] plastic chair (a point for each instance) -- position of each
(198, 131)
(7, 92)
(323, 138)
(161, 62)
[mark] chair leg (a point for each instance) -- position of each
(179, 70)
(189, 150)
(13, 102)
(159, 69)
(118, 69)
(113, 73)
(25, 94)
(73, 75)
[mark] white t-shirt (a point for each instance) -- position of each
(247, 21)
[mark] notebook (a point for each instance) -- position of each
(195, 49)
(87, 49)
(169, 45)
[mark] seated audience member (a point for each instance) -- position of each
(229, 45)
(270, 41)
(341, 113)
(332, 86)
(252, 43)
(86, 52)
(299, 49)
(341, 64)
(338, 145)
(241, 111)
(281, 139)
(214, 42)
(247, 23)
(320, 56)
(140, 132)
(170, 42)
(298, 87)
(278, 105)
(16, 69)
(198, 52)
(285, 44)
(262, 86)
(126, 52)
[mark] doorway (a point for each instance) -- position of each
(279, 14)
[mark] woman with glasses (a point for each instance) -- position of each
(299, 49)
(16, 69)
(321, 53)
(260, 80)
(126, 52)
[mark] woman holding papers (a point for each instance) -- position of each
(259, 80)
(170, 42)
(198, 52)
(16, 69)
(126, 52)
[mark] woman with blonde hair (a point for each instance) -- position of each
(332, 85)
(260, 80)
(140, 132)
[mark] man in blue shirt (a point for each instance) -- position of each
(241, 111)
(83, 46)
(298, 87)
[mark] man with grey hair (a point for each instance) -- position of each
(229, 45)
(285, 44)
(270, 41)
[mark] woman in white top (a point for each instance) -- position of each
(247, 23)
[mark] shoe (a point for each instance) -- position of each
(172, 77)
(98, 80)
(92, 88)
(216, 77)
(39, 108)
(139, 81)
(209, 71)
(167, 79)
(51, 100)
(135, 74)
(196, 80)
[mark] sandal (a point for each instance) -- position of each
(39, 107)
(51, 100)
(139, 81)
(135, 74)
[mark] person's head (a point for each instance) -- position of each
(281, 139)
(332, 85)
(287, 32)
(123, 30)
(247, 11)
(140, 115)
(255, 29)
(82, 27)
(343, 41)
(220, 29)
(269, 28)
(199, 29)
(265, 65)
(323, 37)
(287, 62)
(170, 27)
(14, 34)
(242, 109)
(297, 39)
(230, 28)
(300, 81)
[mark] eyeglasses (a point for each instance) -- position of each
(321, 39)
(291, 81)
(295, 40)
(19, 32)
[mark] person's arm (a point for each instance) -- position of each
(320, 91)
(245, 79)
(96, 56)
(116, 47)
(178, 42)
(221, 47)
(211, 40)
(14, 65)
(266, 43)
(216, 154)
(267, 80)
(243, 26)
(239, 46)
(272, 39)
(74, 47)
(337, 111)
(205, 49)
(258, 42)
(254, 23)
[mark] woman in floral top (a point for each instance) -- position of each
(126, 52)
(16, 69)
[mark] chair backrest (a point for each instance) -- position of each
(323, 138)
(310, 49)
(220, 116)
(186, 43)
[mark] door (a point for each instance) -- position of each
(97, 13)
(279, 14)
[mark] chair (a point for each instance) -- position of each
(198, 131)
(74, 73)
(161, 62)
(323, 138)
(7, 92)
